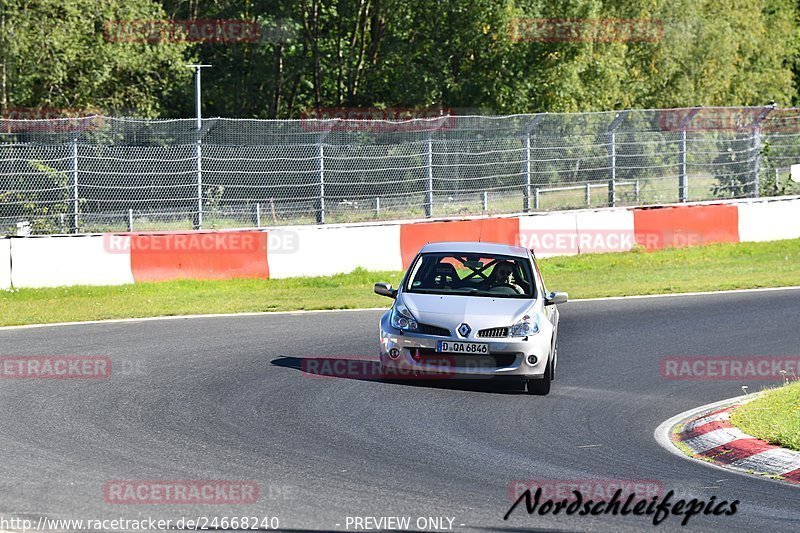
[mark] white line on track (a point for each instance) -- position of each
(303, 312)
(676, 294)
(182, 317)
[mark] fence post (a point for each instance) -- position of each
(272, 210)
(198, 154)
(588, 195)
(429, 178)
(527, 131)
(536, 198)
(683, 179)
(485, 203)
(198, 219)
(527, 203)
(258, 215)
(321, 201)
(757, 163)
(75, 212)
(612, 183)
(130, 219)
(377, 206)
(757, 145)
(683, 172)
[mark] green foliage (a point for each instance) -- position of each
(773, 416)
(55, 54)
(775, 180)
(403, 53)
(213, 199)
(40, 198)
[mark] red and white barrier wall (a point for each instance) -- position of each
(113, 259)
(769, 220)
(5, 264)
(58, 261)
(320, 250)
(197, 255)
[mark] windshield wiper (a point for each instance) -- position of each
(468, 290)
(424, 291)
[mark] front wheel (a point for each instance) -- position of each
(541, 387)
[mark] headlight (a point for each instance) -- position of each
(402, 318)
(523, 328)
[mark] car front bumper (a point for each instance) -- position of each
(507, 356)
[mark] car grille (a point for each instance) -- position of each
(493, 332)
(427, 329)
(460, 360)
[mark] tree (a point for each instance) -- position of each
(55, 54)
(404, 53)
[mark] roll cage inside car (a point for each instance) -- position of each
(434, 275)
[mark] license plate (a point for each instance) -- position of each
(462, 347)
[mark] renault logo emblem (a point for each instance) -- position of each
(464, 329)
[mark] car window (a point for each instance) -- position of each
(495, 276)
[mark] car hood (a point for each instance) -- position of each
(477, 311)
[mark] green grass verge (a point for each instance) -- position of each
(773, 417)
(706, 268)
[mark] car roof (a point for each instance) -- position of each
(475, 248)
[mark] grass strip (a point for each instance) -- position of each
(703, 268)
(773, 417)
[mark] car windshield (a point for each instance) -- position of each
(489, 275)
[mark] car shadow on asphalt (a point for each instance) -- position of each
(364, 369)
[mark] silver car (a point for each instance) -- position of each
(471, 309)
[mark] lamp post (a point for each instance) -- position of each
(198, 219)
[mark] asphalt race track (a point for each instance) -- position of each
(224, 398)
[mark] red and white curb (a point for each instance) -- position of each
(713, 440)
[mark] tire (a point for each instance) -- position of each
(541, 387)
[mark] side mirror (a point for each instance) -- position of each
(385, 289)
(555, 298)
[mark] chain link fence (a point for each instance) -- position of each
(97, 173)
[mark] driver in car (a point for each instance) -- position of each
(501, 276)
